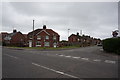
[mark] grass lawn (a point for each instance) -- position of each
(65, 47)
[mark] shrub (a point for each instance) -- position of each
(112, 45)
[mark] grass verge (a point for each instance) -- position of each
(43, 48)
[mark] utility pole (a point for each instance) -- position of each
(81, 32)
(68, 32)
(33, 34)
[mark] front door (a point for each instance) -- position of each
(30, 43)
(55, 45)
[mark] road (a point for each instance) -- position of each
(88, 62)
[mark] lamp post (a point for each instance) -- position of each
(33, 34)
(81, 32)
(68, 32)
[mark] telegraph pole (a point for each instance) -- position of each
(68, 33)
(33, 34)
(81, 32)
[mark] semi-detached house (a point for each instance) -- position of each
(13, 39)
(43, 38)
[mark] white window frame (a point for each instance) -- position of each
(38, 37)
(46, 37)
(54, 37)
(38, 44)
(30, 36)
(47, 44)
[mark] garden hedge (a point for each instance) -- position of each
(112, 45)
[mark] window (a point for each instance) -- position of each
(38, 43)
(38, 37)
(47, 37)
(30, 36)
(54, 44)
(46, 43)
(54, 37)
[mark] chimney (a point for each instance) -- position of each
(44, 26)
(77, 34)
(14, 30)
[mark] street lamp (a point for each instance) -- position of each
(68, 32)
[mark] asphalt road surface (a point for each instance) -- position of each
(88, 62)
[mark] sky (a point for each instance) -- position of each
(95, 19)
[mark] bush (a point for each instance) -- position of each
(112, 45)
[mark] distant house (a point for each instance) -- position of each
(43, 38)
(83, 40)
(3, 35)
(13, 39)
(115, 33)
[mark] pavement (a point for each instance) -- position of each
(87, 62)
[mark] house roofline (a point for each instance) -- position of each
(42, 31)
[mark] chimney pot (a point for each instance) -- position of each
(14, 30)
(44, 26)
(77, 34)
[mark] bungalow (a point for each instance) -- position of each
(43, 38)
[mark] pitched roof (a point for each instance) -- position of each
(25, 35)
(49, 31)
(8, 37)
(73, 35)
(78, 36)
(35, 31)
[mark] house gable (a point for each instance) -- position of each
(18, 37)
(43, 31)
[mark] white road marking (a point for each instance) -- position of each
(67, 56)
(11, 56)
(85, 58)
(55, 70)
(101, 49)
(109, 61)
(97, 60)
(76, 57)
(48, 54)
(60, 55)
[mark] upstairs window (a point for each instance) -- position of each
(38, 37)
(30, 36)
(47, 37)
(54, 37)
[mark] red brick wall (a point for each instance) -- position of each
(72, 39)
(42, 40)
(18, 39)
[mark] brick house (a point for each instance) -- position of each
(13, 39)
(83, 40)
(43, 38)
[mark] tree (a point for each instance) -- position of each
(115, 33)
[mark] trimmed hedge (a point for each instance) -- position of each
(112, 45)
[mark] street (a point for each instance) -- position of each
(88, 62)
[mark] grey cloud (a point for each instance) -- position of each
(91, 17)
